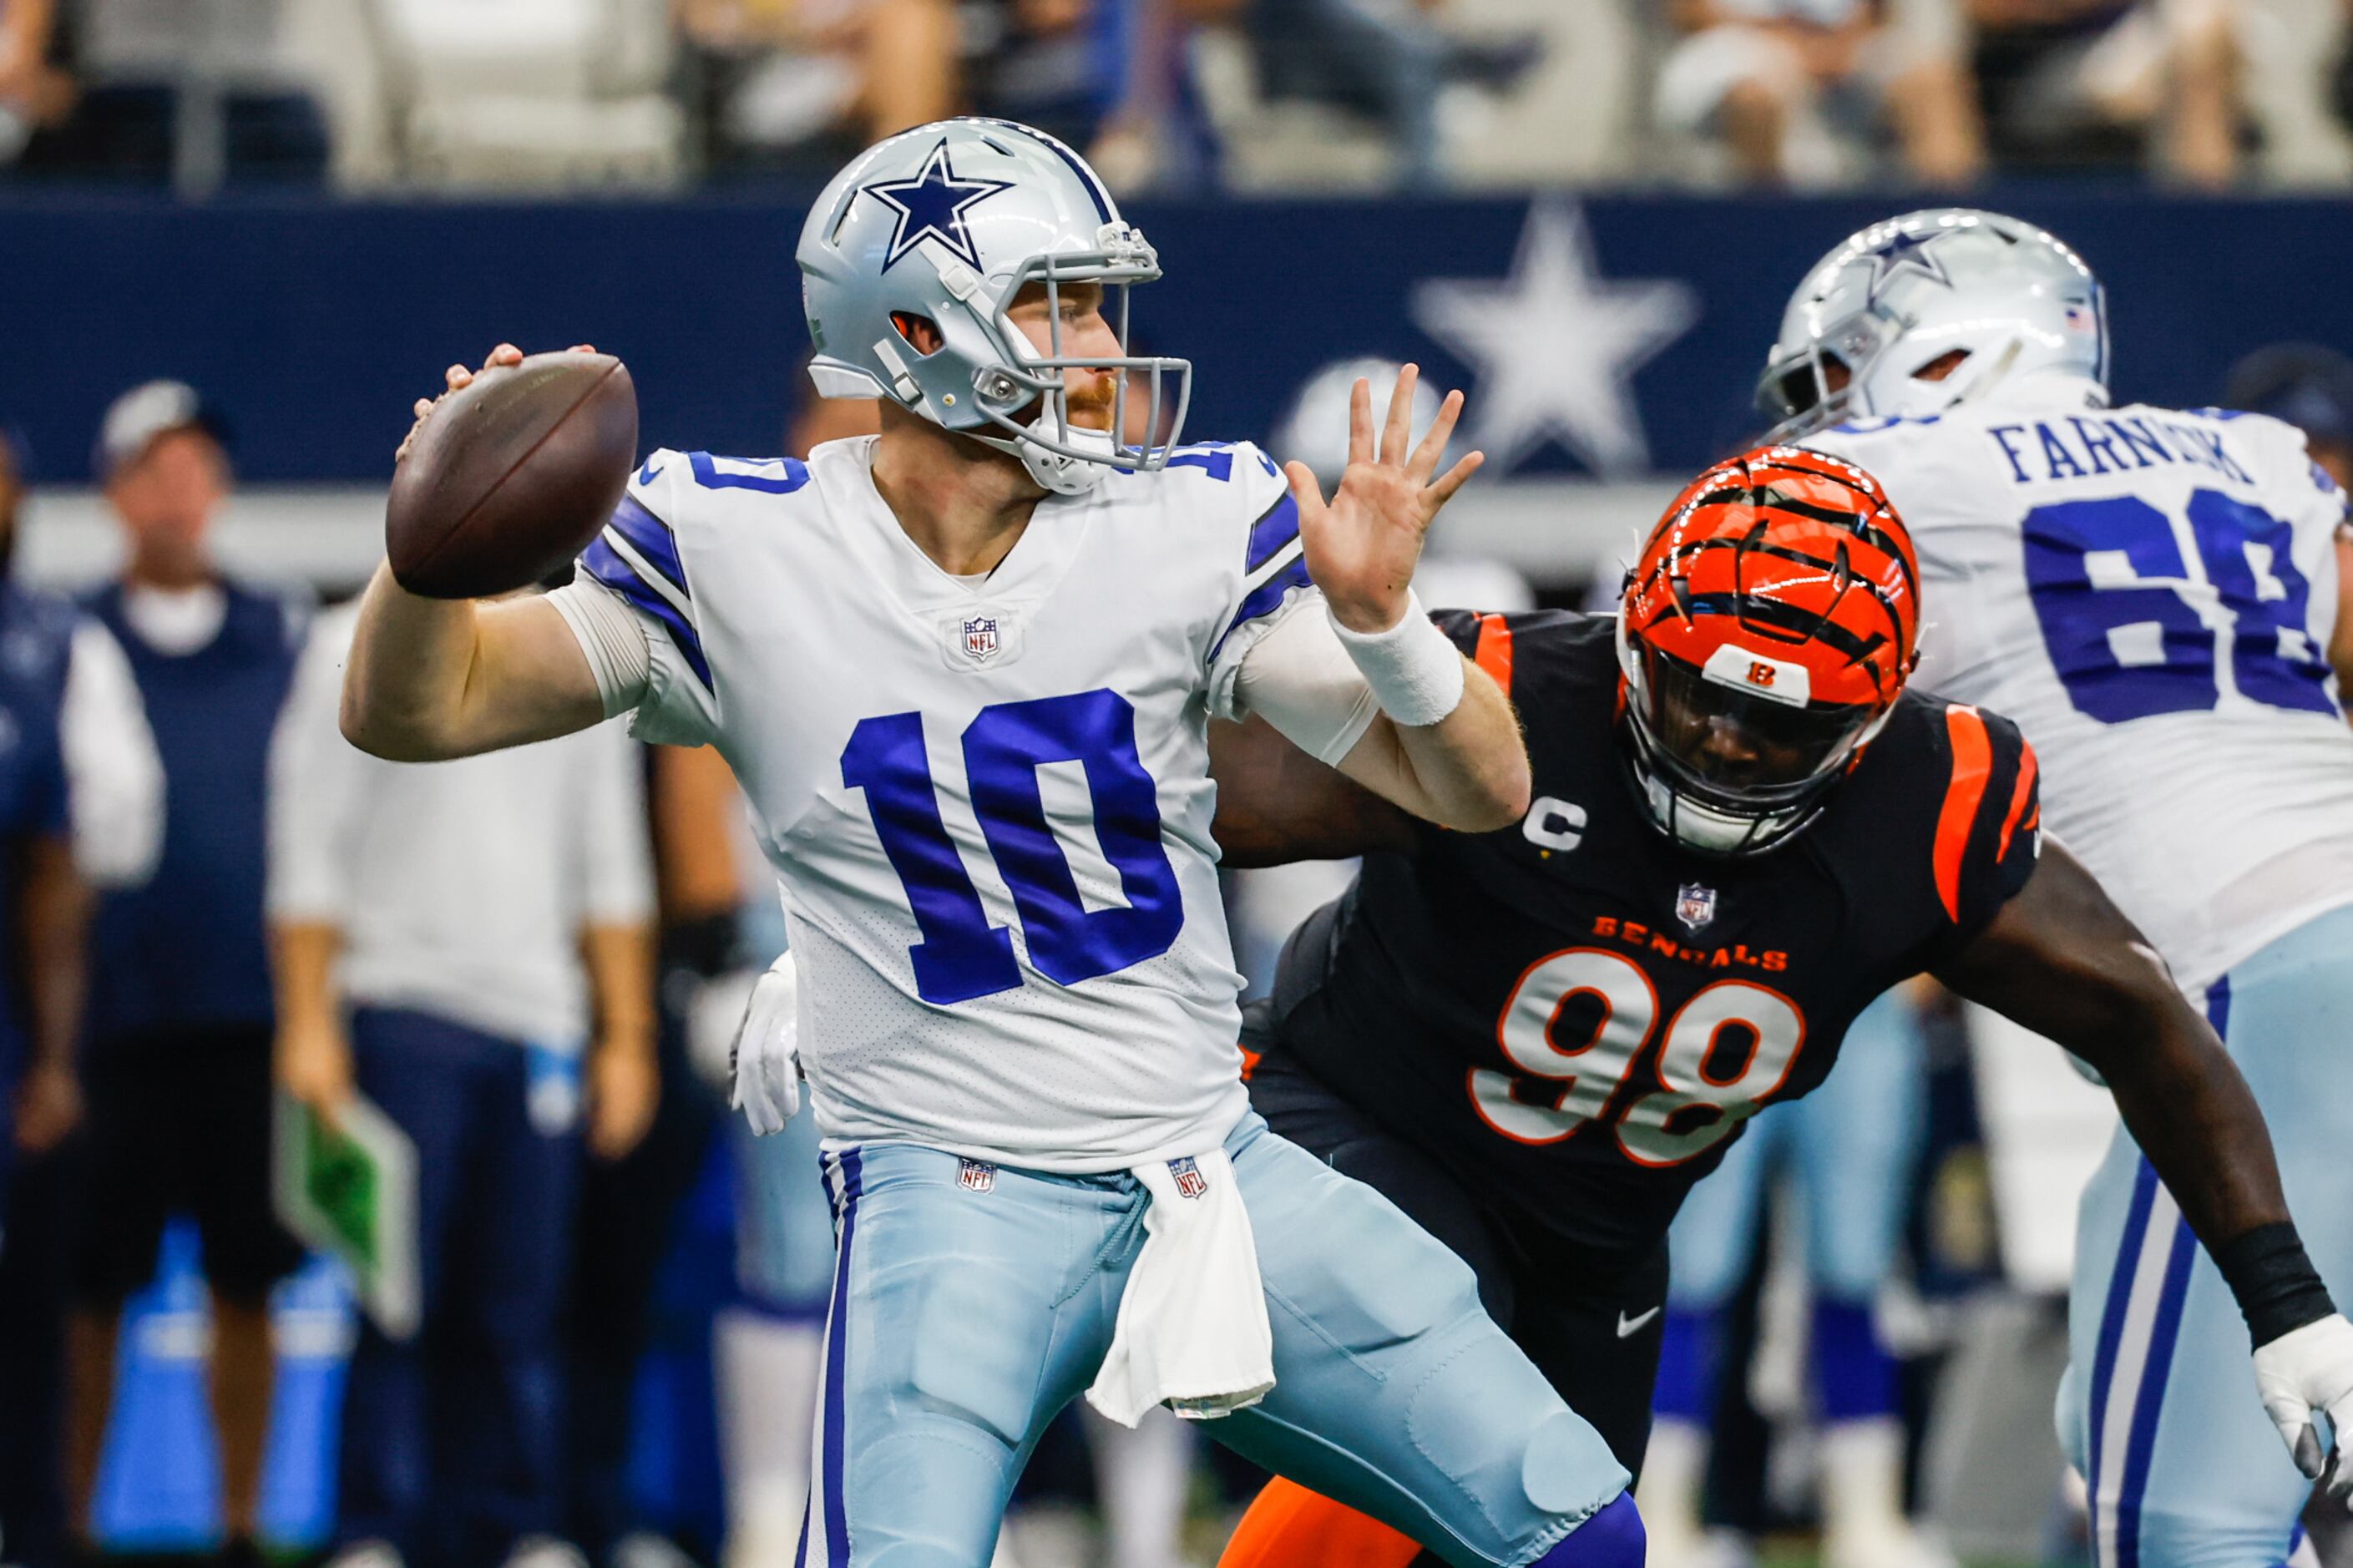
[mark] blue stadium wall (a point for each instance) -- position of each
(313, 325)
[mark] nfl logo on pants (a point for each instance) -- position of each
(1190, 1183)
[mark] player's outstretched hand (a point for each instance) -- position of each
(457, 378)
(2308, 1371)
(1363, 546)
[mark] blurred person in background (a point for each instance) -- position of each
(2065, 82)
(462, 944)
(1786, 87)
(81, 803)
(34, 92)
(177, 1057)
(629, 1207)
(792, 80)
(1849, 1150)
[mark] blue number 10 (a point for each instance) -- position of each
(962, 956)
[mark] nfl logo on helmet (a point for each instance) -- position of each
(1694, 905)
(1190, 1183)
(980, 642)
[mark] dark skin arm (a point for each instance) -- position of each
(2064, 962)
(1277, 804)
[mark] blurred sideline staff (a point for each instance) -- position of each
(448, 937)
(80, 805)
(178, 1036)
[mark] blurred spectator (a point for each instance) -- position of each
(191, 94)
(2065, 80)
(798, 85)
(629, 1207)
(447, 937)
(34, 91)
(1790, 87)
(180, 1018)
(81, 799)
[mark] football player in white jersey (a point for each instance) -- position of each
(2151, 594)
(963, 671)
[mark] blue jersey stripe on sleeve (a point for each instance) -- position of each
(650, 537)
(605, 563)
(1264, 600)
(1270, 534)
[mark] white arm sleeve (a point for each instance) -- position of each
(1299, 678)
(613, 637)
(114, 777)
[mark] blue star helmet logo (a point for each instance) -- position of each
(1904, 253)
(933, 204)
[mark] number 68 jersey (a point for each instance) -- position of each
(2150, 595)
(987, 801)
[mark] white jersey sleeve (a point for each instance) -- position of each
(638, 558)
(1267, 582)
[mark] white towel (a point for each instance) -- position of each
(1192, 1332)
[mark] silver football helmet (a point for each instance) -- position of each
(947, 223)
(1903, 295)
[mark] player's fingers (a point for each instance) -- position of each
(456, 376)
(505, 354)
(584, 348)
(1433, 443)
(1306, 491)
(1396, 430)
(1360, 422)
(1443, 490)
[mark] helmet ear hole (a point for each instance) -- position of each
(920, 333)
(1942, 366)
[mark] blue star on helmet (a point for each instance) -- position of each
(933, 204)
(1903, 253)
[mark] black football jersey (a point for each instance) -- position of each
(1576, 1013)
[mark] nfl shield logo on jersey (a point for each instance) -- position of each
(1190, 1183)
(1694, 905)
(980, 642)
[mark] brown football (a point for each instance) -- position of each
(512, 477)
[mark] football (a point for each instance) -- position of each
(512, 476)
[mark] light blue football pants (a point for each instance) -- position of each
(967, 1312)
(2158, 1409)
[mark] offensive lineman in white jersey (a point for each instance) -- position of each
(963, 671)
(2151, 596)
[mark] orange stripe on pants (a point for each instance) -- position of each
(1291, 1527)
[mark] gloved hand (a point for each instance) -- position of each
(2304, 1371)
(766, 1060)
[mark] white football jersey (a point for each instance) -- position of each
(987, 801)
(2149, 596)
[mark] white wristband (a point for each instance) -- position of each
(1414, 669)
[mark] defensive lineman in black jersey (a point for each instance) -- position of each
(1534, 1040)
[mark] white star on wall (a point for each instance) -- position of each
(1555, 345)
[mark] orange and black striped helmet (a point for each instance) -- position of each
(1768, 626)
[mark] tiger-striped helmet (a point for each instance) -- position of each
(1768, 626)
